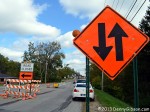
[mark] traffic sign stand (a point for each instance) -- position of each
(87, 85)
(135, 75)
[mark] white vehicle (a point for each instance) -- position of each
(74, 83)
(79, 91)
(80, 81)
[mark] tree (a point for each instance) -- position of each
(144, 63)
(95, 76)
(45, 55)
(9, 67)
(3, 64)
(66, 71)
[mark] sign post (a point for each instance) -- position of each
(135, 75)
(87, 85)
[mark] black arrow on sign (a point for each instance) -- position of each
(102, 50)
(118, 33)
(23, 75)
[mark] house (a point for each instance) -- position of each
(4, 76)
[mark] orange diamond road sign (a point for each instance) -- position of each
(26, 76)
(111, 42)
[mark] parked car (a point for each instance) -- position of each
(81, 81)
(74, 82)
(79, 91)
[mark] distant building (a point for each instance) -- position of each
(4, 76)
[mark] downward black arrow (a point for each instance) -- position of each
(102, 50)
(23, 75)
(118, 33)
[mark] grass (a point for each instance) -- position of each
(1, 84)
(107, 100)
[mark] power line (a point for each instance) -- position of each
(131, 9)
(104, 3)
(121, 5)
(117, 4)
(113, 3)
(137, 11)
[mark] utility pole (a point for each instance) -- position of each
(46, 71)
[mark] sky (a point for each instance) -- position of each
(24, 21)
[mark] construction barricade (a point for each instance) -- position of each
(48, 85)
(21, 88)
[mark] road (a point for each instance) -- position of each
(48, 100)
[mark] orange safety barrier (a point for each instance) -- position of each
(25, 91)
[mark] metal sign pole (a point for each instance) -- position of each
(87, 85)
(135, 74)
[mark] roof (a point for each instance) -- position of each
(6, 76)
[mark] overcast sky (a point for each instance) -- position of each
(24, 21)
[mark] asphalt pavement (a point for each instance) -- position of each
(48, 100)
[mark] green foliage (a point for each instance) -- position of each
(47, 57)
(13, 68)
(95, 76)
(109, 101)
(144, 63)
(9, 67)
(65, 72)
(96, 82)
(145, 23)
(3, 64)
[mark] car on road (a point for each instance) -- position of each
(74, 82)
(81, 81)
(79, 91)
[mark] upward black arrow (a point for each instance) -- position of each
(118, 33)
(102, 50)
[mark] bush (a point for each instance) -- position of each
(96, 82)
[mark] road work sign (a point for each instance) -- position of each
(27, 67)
(110, 41)
(26, 76)
(26, 71)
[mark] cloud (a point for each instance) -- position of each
(66, 40)
(90, 8)
(76, 60)
(20, 44)
(74, 57)
(21, 17)
(83, 26)
(82, 8)
(11, 54)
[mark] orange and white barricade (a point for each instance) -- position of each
(14, 87)
(34, 87)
